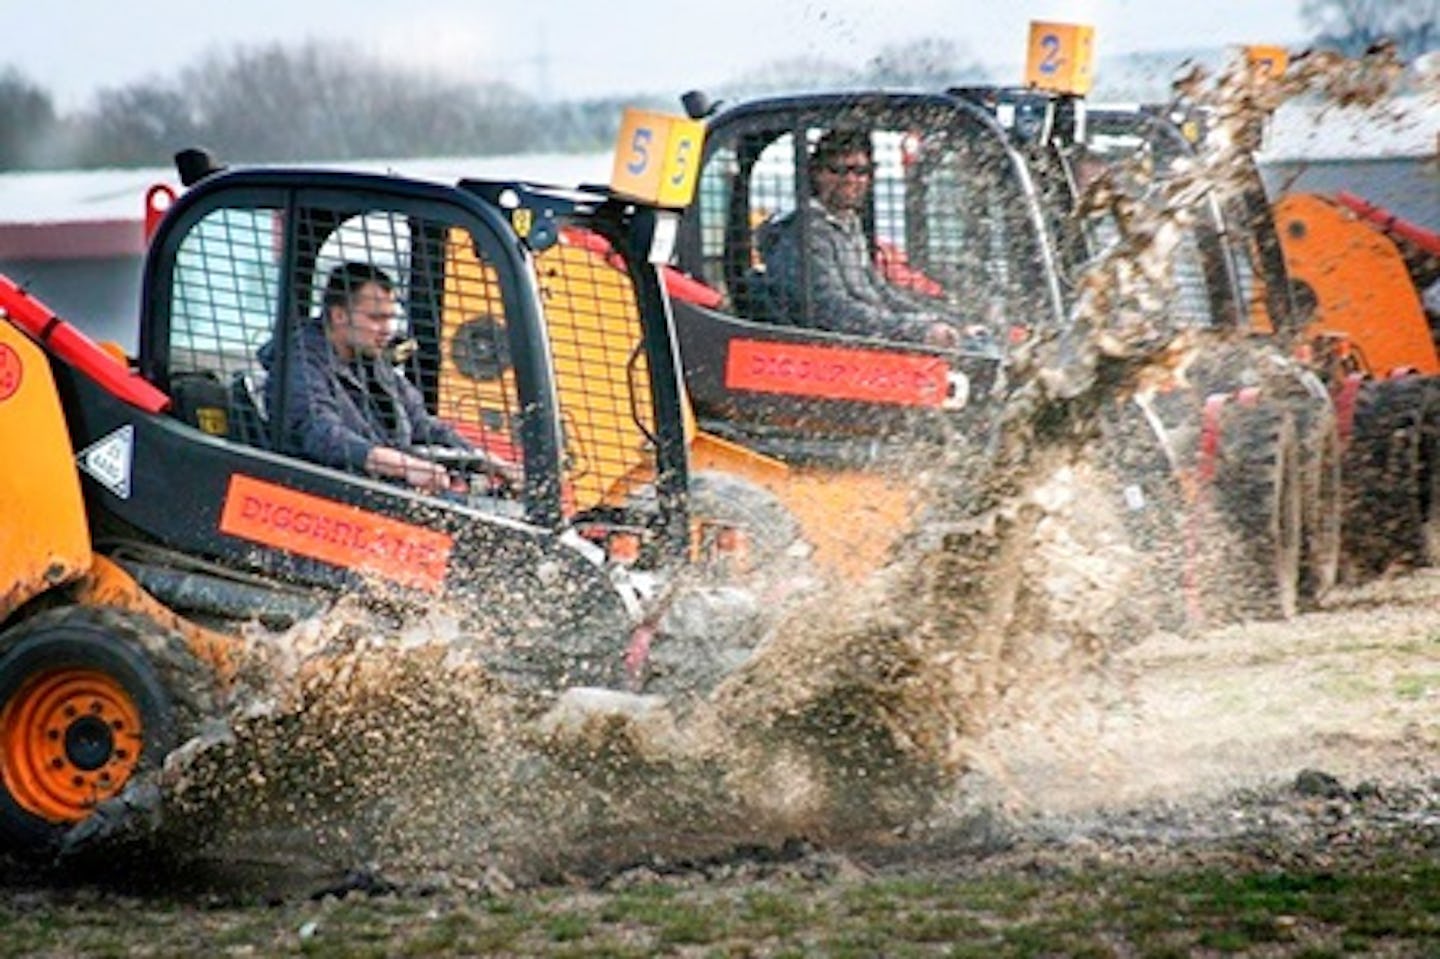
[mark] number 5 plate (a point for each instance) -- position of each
(656, 157)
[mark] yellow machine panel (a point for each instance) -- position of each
(44, 538)
(601, 374)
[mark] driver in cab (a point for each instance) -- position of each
(347, 406)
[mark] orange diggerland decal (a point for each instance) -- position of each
(335, 533)
(836, 373)
(10, 371)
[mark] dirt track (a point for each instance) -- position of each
(1304, 745)
(1353, 689)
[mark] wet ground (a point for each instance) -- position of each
(1299, 748)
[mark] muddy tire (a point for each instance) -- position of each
(1153, 507)
(714, 622)
(1257, 493)
(770, 528)
(1388, 477)
(1322, 502)
(1429, 540)
(90, 699)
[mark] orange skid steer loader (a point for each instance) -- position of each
(1359, 269)
(153, 507)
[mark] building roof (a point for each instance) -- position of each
(75, 214)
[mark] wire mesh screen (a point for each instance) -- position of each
(395, 337)
(601, 373)
(945, 229)
(713, 197)
(225, 292)
(224, 301)
(412, 350)
(1252, 265)
(970, 230)
(1167, 229)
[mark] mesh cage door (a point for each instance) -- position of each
(224, 299)
(601, 376)
(477, 387)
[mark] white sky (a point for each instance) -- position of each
(590, 47)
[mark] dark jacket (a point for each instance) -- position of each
(336, 412)
(845, 292)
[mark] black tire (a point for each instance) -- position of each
(1257, 492)
(151, 674)
(1385, 476)
(1154, 507)
(714, 622)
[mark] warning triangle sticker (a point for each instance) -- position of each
(108, 460)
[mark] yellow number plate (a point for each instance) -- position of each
(1268, 61)
(657, 157)
(1060, 57)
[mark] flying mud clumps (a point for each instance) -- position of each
(851, 717)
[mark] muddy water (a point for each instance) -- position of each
(865, 716)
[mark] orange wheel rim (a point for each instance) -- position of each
(69, 739)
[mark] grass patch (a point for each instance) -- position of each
(1417, 685)
(1390, 905)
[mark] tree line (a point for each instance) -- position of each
(279, 103)
(325, 101)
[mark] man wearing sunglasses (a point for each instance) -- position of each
(818, 268)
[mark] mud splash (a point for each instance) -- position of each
(357, 745)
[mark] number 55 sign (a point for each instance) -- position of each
(656, 157)
(1060, 57)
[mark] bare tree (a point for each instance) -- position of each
(27, 120)
(1354, 26)
(316, 101)
(138, 125)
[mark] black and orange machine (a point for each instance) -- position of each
(1332, 281)
(160, 503)
(973, 206)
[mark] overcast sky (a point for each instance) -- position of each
(590, 47)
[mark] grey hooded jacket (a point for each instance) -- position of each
(845, 292)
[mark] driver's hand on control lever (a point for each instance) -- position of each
(942, 335)
(511, 474)
(416, 471)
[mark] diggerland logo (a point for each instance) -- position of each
(336, 533)
(837, 373)
(11, 372)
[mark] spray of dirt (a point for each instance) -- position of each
(986, 649)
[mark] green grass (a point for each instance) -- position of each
(1391, 906)
(1417, 685)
